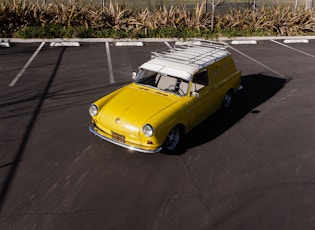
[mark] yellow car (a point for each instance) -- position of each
(171, 94)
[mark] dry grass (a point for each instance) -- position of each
(278, 20)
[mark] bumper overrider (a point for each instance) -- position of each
(131, 146)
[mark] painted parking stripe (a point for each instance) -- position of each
(110, 65)
(168, 45)
(300, 51)
(26, 65)
(258, 62)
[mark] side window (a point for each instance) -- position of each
(200, 80)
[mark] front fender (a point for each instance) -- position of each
(170, 117)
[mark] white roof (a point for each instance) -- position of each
(186, 58)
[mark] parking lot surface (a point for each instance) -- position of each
(251, 168)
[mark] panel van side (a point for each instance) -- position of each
(223, 78)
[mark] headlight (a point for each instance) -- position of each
(148, 130)
(93, 110)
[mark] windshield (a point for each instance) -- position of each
(163, 82)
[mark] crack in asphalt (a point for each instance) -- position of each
(189, 171)
(167, 201)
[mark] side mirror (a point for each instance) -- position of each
(195, 94)
(134, 75)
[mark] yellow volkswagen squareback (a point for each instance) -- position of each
(171, 94)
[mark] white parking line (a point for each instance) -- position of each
(110, 65)
(26, 65)
(300, 51)
(168, 45)
(254, 60)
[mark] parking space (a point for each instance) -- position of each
(251, 168)
(278, 57)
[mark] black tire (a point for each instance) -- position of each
(227, 100)
(173, 139)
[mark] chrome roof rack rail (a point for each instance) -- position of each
(195, 52)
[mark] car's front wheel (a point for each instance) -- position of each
(172, 139)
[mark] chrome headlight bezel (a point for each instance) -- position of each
(148, 130)
(93, 110)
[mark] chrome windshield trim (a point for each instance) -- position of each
(91, 128)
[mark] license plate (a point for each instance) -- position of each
(118, 137)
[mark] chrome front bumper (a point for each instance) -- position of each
(133, 148)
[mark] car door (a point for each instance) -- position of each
(201, 102)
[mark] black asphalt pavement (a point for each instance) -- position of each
(250, 168)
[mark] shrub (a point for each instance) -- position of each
(27, 19)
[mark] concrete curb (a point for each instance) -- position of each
(5, 43)
(129, 43)
(64, 44)
(244, 42)
(290, 41)
(83, 40)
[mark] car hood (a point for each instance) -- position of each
(133, 106)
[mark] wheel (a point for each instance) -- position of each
(227, 101)
(176, 89)
(172, 139)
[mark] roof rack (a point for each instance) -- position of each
(203, 43)
(197, 52)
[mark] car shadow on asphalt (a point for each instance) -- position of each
(257, 89)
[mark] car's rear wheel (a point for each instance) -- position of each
(227, 101)
(172, 139)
